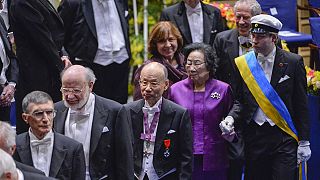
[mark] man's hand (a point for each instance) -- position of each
(304, 152)
(227, 128)
(7, 95)
(66, 61)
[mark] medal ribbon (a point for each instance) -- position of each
(149, 130)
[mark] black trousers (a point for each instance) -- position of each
(270, 153)
(112, 80)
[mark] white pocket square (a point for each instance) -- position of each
(171, 131)
(126, 13)
(284, 78)
(105, 129)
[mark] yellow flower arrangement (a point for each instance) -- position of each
(313, 81)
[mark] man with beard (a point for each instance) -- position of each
(92, 120)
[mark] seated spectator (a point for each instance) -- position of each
(53, 153)
(165, 43)
(208, 101)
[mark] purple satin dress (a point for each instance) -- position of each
(206, 109)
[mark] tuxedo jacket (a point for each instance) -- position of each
(110, 153)
(80, 28)
(38, 32)
(26, 168)
(212, 21)
(292, 91)
(174, 124)
(12, 72)
(67, 161)
(35, 176)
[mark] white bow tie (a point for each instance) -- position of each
(45, 141)
(150, 110)
(196, 10)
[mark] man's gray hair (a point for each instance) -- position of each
(7, 136)
(7, 164)
(36, 97)
(90, 77)
(253, 5)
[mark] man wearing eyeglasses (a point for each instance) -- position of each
(92, 120)
(56, 155)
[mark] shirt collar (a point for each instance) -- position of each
(156, 105)
(87, 107)
(270, 57)
(34, 137)
(195, 9)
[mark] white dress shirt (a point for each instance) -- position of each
(147, 162)
(267, 65)
(41, 151)
(78, 126)
(111, 42)
(195, 19)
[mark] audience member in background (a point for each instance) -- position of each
(274, 105)
(8, 144)
(196, 21)
(229, 45)
(38, 34)
(9, 72)
(97, 36)
(9, 171)
(165, 43)
(208, 101)
(55, 154)
(92, 120)
(162, 134)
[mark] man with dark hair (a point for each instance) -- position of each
(55, 154)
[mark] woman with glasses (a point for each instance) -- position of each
(208, 101)
(165, 43)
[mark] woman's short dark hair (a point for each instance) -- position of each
(159, 32)
(209, 55)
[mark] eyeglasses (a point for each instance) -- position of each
(195, 62)
(151, 84)
(40, 114)
(75, 91)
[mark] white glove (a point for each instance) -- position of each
(227, 128)
(304, 152)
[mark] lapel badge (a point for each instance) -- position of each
(215, 95)
(281, 64)
(166, 143)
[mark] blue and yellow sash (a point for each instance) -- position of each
(266, 97)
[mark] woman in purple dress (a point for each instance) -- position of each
(165, 43)
(208, 101)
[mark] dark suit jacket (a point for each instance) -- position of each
(67, 160)
(292, 92)
(27, 168)
(111, 151)
(12, 72)
(35, 176)
(81, 35)
(172, 117)
(39, 34)
(212, 21)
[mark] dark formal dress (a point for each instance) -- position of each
(67, 161)
(39, 34)
(212, 21)
(174, 125)
(110, 151)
